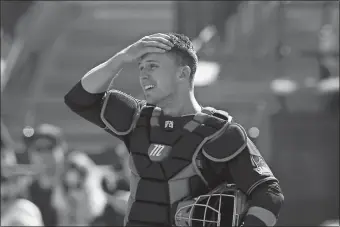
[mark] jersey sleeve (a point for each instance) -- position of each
(232, 157)
(249, 169)
(106, 110)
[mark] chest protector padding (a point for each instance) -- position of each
(159, 186)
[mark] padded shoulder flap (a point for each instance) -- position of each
(120, 112)
(227, 145)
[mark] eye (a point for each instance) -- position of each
(152, 66)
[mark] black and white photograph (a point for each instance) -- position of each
(170, 113)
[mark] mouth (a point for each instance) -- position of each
(149, 87)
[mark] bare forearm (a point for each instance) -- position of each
(97, 80)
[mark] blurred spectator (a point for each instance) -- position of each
(121, 166)
(46, 148)
(115, 161)
(14, 211)
(115, 207)
(115, 184)
(83, 198)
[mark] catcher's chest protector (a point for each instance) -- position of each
(163, 153)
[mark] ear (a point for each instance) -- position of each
(185, 72)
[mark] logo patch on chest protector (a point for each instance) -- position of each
(158, 152)
(168, 124)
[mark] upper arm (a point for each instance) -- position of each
(118, 113)
(249, 170)
(237, 159)
(85, 104)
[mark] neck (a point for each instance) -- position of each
(183, 104)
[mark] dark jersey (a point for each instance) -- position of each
(109, 217)
(245, 168)
(42, 198)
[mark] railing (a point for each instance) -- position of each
(11, 60)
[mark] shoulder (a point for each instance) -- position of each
(120, 111)
(228, 144)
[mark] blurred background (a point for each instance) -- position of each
(272, 65)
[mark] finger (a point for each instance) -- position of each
(160, 40)
(156, 44)
(164, 39)
(153, 50)
(165, 36)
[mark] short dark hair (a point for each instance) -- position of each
(184, 52)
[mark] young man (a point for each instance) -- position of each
(178, 150)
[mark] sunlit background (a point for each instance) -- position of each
(272, 65)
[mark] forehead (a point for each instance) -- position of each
(167, 58)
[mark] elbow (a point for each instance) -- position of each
(67, 99)
(71, 97)
(78, 99)
(265, 205)
(69, 102)
(275, 193)
(281, 199)
(269, 195)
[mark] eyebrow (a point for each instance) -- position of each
(148, 61)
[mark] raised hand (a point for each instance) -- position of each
(156, 43)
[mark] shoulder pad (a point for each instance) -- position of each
(227, 145)
(120, 112)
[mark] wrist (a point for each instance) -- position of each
(117, 60)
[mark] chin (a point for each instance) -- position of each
(153, 99)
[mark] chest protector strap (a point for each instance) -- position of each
(154, 120)
(198, 120)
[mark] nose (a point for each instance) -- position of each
(144, 75)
